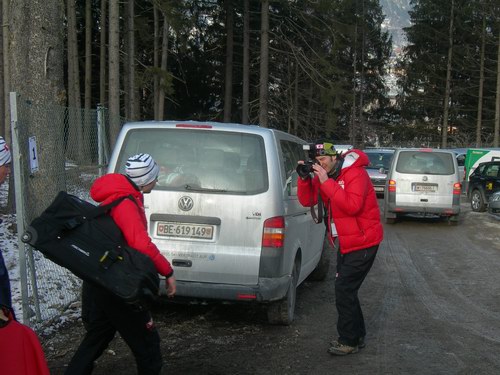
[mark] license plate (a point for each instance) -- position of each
(426, 188)
(185, 230)
(379, 188)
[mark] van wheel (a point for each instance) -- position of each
(281, 312)
(321, 271)
(477, 202)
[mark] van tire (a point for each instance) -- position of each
(477, 201)
(321, 271)
(281, 312)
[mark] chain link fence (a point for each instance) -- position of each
(54, 148)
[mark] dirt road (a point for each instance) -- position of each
(431, 305)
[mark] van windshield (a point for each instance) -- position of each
(425, 162)
(379, 159)
(201, 161)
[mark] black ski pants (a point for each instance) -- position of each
(352, 269)
(103, 315)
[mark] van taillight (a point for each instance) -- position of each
(273, 234)
(457, 188)
(392, 186)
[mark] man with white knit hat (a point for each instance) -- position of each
(102, 313)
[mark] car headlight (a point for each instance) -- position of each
(495, 198)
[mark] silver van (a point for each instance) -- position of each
(225, 211)
(424, 182)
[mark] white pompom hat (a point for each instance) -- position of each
(5, 156)
(142, 169)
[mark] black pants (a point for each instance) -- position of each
(104, 315)
(352, 269)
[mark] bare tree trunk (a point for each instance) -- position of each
(4, 125)
(102, 57)
(352, 131)
(481, 86)
(88, 54)
(497, 104)
(156, 79)
(446, 104)
(114, 71)
(131, 62)
(164, 56)
(362, 82)
(36, 62)
(6, 70)
(246, 62)
(264, 65)
(73, 68)
(228, 92)
(296, 101)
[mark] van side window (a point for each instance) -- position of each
(292, 153)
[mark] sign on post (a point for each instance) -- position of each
(33, 155)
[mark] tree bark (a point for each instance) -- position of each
(102, 55)
(88, 54)
(446, 104)
(114, 71)
(228, 92)
(131, 62)
(156, 79)
(496, 133)
(264, 65)
(164, 56)
(73, 68)
(36, 61)
(246, 63)
(6, 70)
(481, 85)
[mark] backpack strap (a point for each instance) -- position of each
(97, 211)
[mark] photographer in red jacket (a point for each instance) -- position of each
(341, 184)
(104, 314)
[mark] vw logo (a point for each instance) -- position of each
(424, 178)
(186, 203)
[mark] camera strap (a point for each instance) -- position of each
(318, 218)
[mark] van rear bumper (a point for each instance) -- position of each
(267, 290)
(443, 211)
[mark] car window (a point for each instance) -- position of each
(292, 153)
(220, 162)
(461, 160)
(491, 170)
(424, 162)
(379, 159)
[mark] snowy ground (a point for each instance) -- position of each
(8, 246)
(57, 288)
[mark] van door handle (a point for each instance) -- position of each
(182, 263)
(424, 200)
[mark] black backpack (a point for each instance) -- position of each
(83, 238)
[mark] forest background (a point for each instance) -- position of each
(310, 67)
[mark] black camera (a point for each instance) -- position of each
(305, 170)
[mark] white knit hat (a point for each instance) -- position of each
(5, 156)
(142, 169)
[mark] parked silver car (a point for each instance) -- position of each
(494, 204)
(380, 161)
(225, 211)
(424, 182)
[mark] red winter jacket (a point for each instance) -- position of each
(20, 352)
(352, 203)
(129, 216)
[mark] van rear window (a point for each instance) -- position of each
(418, 162)
(200, 160)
